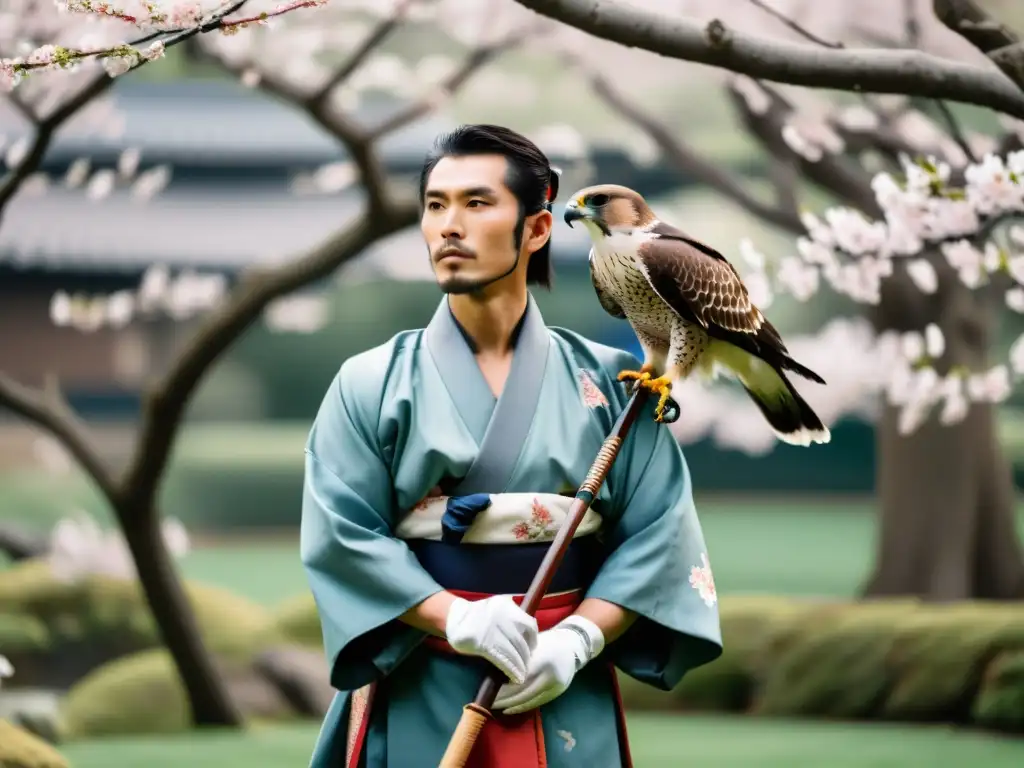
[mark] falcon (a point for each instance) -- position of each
(689, 309)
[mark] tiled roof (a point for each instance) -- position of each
(219, 120)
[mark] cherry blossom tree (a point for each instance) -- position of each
(908, 245)
(921, 235)
(318, 66)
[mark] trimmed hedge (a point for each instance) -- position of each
(897, 660)
(142, 694)
(55, 632)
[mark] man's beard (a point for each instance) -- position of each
(459, 285)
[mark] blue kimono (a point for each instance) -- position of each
(410, 430)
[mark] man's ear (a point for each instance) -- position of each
(538, 230)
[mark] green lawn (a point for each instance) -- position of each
(657, 742)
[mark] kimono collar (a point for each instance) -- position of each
(498, 425)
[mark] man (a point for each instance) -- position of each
(438, 469)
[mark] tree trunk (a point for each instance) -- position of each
(947, 523)
(946, 507)
(208, 696)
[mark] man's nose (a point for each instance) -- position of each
(452, 227)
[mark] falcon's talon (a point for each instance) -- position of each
(668, 413)
(639, 377)
(660, 386)
(642, 375)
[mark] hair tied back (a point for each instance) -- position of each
(553, 179)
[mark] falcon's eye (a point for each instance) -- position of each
(598, 199)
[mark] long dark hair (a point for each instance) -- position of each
(530, 177)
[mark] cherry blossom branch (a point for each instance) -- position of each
(124, 58)
(858, 70)
(118, 61)
(230, 26)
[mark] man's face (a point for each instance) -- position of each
(469, 221)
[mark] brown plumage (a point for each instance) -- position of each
(688, 307)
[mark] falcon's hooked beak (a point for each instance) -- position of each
(577, 210)
(574, 212)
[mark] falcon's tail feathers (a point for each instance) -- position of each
(788, 414)
(770, 338)
(789, 364)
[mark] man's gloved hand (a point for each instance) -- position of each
(561, 652)
(495, 628)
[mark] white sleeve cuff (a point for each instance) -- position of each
(590, 633)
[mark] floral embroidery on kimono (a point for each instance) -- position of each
(422, 504)
(702, 580)
(540, 524)
(593, 397)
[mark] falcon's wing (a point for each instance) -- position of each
(703, 287)
(609, 304)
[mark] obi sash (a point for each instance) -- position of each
(488, 544)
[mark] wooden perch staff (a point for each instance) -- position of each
(476, 713)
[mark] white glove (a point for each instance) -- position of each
(495, 628)
(561, 652)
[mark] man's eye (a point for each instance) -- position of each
(477, 202)
(433, 206)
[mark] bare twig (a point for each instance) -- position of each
(859, 70)
(974, 24)
(911, 24)
(47, 408)
(166, 403)
(688, 161)
(955, 130)
(998, 42)
(45, 129)
(362, 52)
(784, 175)
(477, 58)
(15, 100)
(834, 173)
(800, 30)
